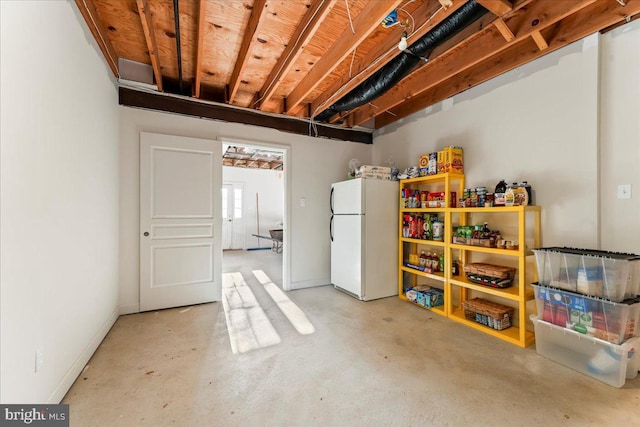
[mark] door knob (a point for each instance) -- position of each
(146, 234)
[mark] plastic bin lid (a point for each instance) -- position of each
(591, 252)
(628, 301)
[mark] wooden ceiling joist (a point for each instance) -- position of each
(302, 56)
(589, 19)
(504, 30)
(200, 48)
(539, 39)
(467, 55)
(150, 37)
(256, 13)
(91, 17)
(497, 7)
(364, 24)
(313, 18)
(363, 69)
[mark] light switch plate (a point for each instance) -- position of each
(303, 202)
(39, 359)
(624, 191)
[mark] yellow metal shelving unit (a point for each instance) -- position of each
(446, 182)
(458, 288)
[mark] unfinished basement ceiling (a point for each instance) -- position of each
(300, 57)
(253, 158)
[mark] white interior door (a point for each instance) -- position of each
(180, 251)
(233, 234)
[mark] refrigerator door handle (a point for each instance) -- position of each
(331, 228)
(331, 201)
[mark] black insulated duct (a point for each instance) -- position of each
(396, 69)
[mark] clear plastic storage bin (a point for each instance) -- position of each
(613, 276)
(601, 360)
(607, 320)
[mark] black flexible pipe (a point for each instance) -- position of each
(176, 18)
(396, 69)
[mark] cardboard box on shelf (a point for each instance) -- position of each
(432, 167)
(424, 165)
(453, 160)
(440, 161)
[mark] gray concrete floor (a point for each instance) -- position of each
(379, 363)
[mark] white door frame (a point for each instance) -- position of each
(286, 240)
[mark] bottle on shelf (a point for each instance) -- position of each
(527, 187)
(509, 197)
(455, 270)
(426, 232)
(441, 262)
(498, 194)
(438, 230)
(520, 195)
(435, 262)
(423, 259)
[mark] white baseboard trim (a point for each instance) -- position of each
(129, 309)
(75, 370)
(309, 284)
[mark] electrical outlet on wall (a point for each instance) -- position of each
(624, 191)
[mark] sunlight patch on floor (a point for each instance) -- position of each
(295, 315)
(248, 325)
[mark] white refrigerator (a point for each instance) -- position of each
(364, 237)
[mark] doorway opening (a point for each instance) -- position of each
(254, 217)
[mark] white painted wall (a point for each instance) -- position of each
(620, 137)
(269, 185)
(59, 199)
(537, 123)
(315, 164)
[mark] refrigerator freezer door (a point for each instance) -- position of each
(346, 253)
(346, 197)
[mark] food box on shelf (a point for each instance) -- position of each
(486, 243)
(424, 165)
(496, 276)
(440, 161)
(426, 296)
(488, 313)
(436, 199)
(461, 240)
(419, 267)
(453, 160)
(613, 276)
(412, 295)
(601, 360)
(603, 319)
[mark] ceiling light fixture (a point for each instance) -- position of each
(403, 41)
